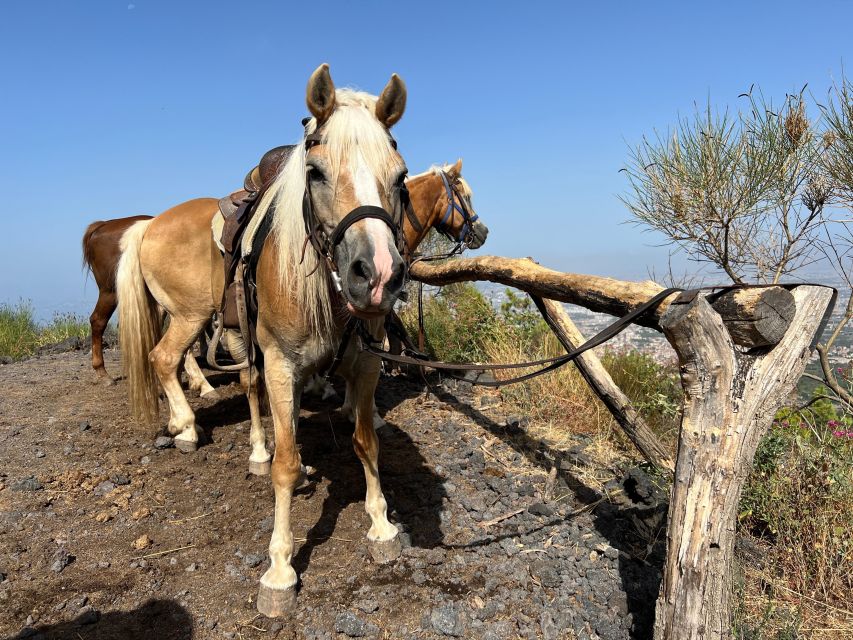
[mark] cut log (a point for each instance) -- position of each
(758, 316)
(602, 384)
(730, 401)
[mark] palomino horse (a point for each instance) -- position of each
(441, 199)
(345, 169)
(101, 253)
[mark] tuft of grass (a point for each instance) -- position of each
(21, 336)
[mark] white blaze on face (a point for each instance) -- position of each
(380, 236)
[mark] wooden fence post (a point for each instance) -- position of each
(731, 397)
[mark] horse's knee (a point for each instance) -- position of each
(286, 470)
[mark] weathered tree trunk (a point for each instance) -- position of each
(602, 384)
(756, 317)
(730, 400)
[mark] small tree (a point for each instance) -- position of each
(749, 195)
(744, 193)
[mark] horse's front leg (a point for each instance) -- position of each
(277, 593)
(384, 543)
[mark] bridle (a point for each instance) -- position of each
(325, 244)
(456, 203)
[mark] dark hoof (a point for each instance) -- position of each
(259, 468)
(185, 446)
(385, 551)
(274, 603)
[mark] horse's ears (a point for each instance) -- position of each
(456, 170)
(392, 102)
(320, 94)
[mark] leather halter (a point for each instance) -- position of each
(325, 244)
(452, 205)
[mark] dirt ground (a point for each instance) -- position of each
(103, 535)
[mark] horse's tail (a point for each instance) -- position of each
(88, 256)
(139, 325)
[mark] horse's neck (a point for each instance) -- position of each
(425, 211)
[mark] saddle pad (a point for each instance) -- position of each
(216, 226)
(254, 224)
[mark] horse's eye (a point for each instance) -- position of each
(401, 180)
(315, 175)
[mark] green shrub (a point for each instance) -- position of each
(458, 322)
(654, 389)
(21, 335)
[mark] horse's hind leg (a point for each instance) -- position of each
(384, 544)
(259, 459)
(166, 357)
(197, 381)
(105, 307)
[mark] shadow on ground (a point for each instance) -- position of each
(413, 490)
(642, 550)
(160, 619)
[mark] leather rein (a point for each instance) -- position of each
(420, 359)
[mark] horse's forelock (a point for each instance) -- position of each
(352, 126)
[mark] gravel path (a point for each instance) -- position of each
(501, 538)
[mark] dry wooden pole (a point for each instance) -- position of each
(730, 400)
(602, 384)
(756, 317)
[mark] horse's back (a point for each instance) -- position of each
(181, 264)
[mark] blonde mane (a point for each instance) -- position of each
(351, 128)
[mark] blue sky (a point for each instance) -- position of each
(115, 108)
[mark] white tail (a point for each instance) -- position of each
(139, 325)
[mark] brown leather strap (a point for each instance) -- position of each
(546, 364)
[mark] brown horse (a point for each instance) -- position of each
(101, 253)
(346, 164)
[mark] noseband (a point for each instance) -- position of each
(452, 205)
(325, 244)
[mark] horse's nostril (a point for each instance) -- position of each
(396, 281)
(361, 270)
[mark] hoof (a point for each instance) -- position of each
(211, 394)
(185, 446)
(260, 468)
(274, 603)
(385, 551)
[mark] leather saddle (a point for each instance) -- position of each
(237, 210)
